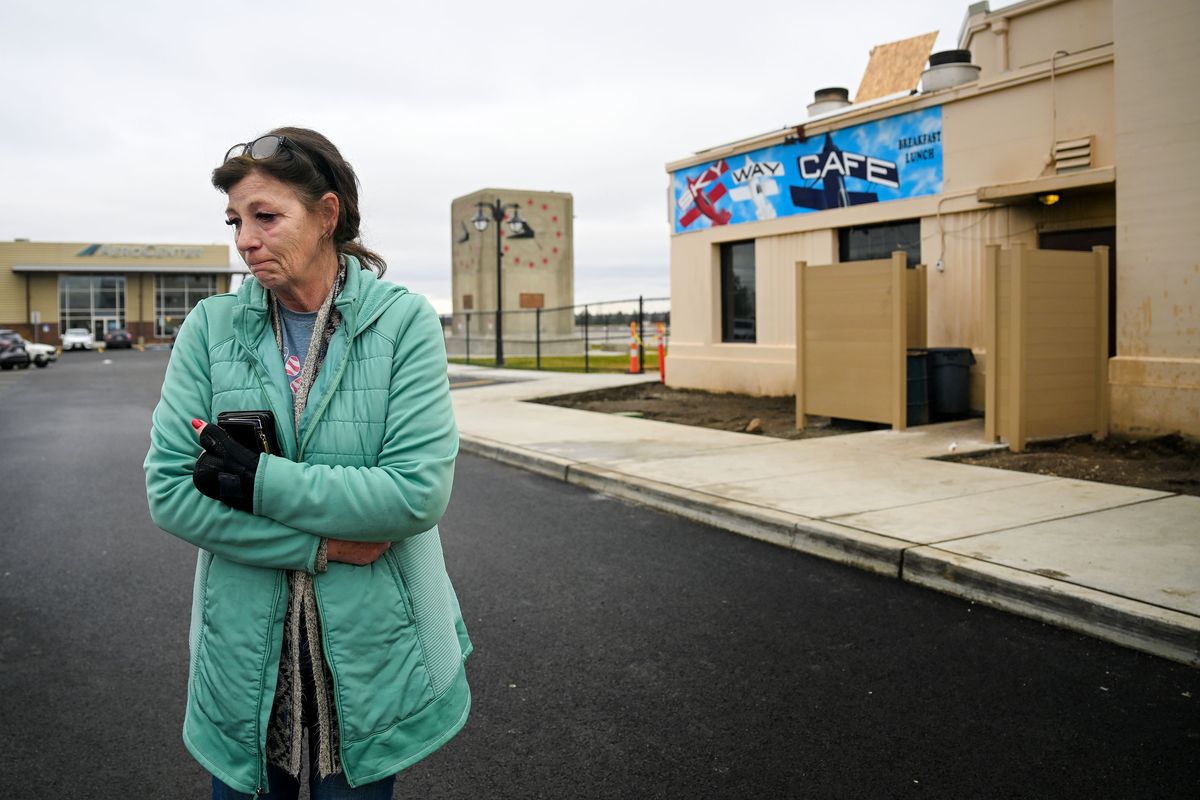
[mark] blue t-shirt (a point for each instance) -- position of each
(297, 327)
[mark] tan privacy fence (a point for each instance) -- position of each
(854, 324)
(1047, 342)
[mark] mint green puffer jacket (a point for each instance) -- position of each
(374, 462)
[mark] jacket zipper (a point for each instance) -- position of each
(260, 736)
(301, 441)
(337, 696)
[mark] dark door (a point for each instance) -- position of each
(1085, 240)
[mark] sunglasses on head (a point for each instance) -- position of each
(265, 147)
(260, 148)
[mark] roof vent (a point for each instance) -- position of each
(1072, 154)
(947, 69)
(830, 99)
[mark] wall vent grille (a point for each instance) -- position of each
(1073, 154)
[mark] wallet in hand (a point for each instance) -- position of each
(254, 430)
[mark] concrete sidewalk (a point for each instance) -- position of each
(1116, 563)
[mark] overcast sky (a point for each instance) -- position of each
(115, 113)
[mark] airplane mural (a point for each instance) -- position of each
(700, 200)
(756, 184)
(888, 159)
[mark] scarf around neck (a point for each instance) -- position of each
(285, 731)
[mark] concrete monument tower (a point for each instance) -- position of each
(536, 264)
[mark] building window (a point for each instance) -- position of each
(175, 296)
(95, 302)
(737, 292)
(869, 242)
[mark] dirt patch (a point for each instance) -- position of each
(776, 416)
(1168, 463)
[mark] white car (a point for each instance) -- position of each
(41, 354)
(77, 337)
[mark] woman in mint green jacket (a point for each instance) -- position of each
(322, 608)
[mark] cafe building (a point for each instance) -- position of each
(147, 289)
(1056, 125)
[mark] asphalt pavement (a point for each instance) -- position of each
(1116, 562)
(620, 652)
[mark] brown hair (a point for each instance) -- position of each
(312, 166)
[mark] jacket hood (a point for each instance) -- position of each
(363, 298)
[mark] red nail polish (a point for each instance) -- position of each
(197, 424)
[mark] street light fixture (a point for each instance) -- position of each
(498, 212)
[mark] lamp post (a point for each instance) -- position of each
(497, 211)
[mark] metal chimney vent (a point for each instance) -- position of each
(1072, 154)
(947, 69)
(830, 99)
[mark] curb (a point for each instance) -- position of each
(514, 456)
(1130, 623)
(867, 551)
(1141, 626)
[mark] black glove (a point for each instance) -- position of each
(226, 470)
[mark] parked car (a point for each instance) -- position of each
(12, 350)
(118, 338)
(42, 354)
(78, 338)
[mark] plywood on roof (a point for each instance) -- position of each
(895, 67)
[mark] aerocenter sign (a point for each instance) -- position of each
(140, 251)
(888, 159)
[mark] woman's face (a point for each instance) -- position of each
(285, 245)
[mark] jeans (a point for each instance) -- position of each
(285, 787)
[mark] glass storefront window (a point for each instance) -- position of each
(175, 296)
(95, 302)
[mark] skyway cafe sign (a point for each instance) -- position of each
(889, 159)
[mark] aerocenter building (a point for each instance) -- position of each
(147, 289)
(1072, 124)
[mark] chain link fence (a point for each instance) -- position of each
(588, 337)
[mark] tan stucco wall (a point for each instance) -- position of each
(12, 297)
(1155, 378)
(542, 265)
(43, 296)
(1006, 131)
(1028, 33)
(698, 358)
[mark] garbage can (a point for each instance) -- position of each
(950, 381)
(918, 388)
